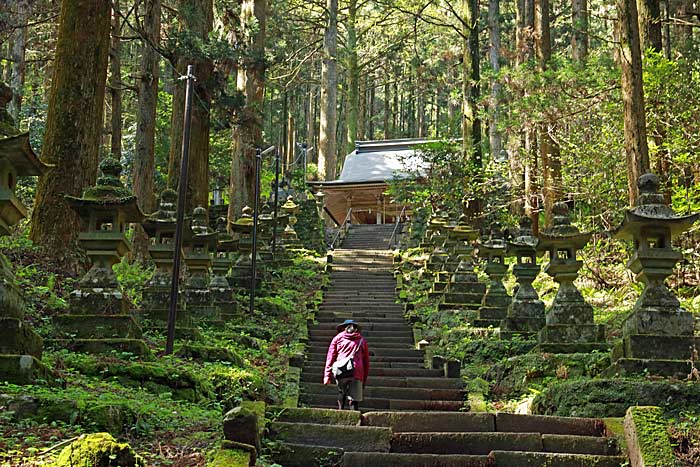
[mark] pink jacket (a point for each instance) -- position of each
(342, 346)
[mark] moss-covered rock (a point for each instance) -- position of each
(98, 450)
(647, 438)
(514, 376)
(158, 378)
(207, 353)
(612, 397)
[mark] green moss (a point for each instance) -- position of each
(229, 458)
(98, 450)
(515, 376)
(652, 437)
(612, 397)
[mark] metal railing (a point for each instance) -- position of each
(343, 228)
(394, 236)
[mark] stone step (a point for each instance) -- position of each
(543, 459)
(308, 415)
(374, 333)
(330, 401)
(360, 303)
(377, 363)
(373, 391)
(431, 422)
(373, 344)
(483, 443)
(363, 318)
(389, 370)
(376, 459)
(357, 438)
(320, 358)
(400, 382)
(305, 455)
(375, 352)
(365, 327)
(371, 315)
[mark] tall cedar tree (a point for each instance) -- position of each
(73, 124)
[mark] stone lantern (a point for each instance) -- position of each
(221, 290)
(658, 333)
(20, 347)
(289, 236)
(160, 227)
(569, 320)
(463, 291)
(494, 306)
(200, 246)
(526, 311)
(99, 319)
(242, 269)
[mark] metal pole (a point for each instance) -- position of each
(258, 167)
(276, 203)
(303, 148)
(180, 216)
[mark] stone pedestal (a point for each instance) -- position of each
(658, 334)
(526, 311)
(242, 269)
(569, 321)
(99, 320)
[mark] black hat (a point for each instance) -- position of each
(347, 323)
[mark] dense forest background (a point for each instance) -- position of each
(561, 99)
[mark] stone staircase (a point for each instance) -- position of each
(411, 414)
(362, 288)
(368, 236)
(322, 437)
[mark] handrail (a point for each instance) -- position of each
(342, 228)
(396, 228)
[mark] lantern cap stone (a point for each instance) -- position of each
(562, 232)
(18, 151)
(165, 217)
(652, 209)
(108, 194)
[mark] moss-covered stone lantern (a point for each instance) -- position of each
(200, 245)
(99, 319)
(494, 306)
(160, 227)
(20, 347)
(658, 333)
(242, 269)
(463, 291)
(526, 311)
(570, 327)
(221, 290)
(289, 235)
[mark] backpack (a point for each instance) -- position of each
(346, 367)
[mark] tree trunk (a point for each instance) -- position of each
(327, 156)
(666, 28)
(115, 83)
(247, 134)
(73, 124)
(311, 126)
(388, 117)
(579, 37)
(290, 127)
(370, 111)
(636, 149)
(362, 110)
(196, 17)
(495, 138)
(353, 78)
(471, 123)
(144, 156)
(18, 57)
(650, 24)
(549, 149)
